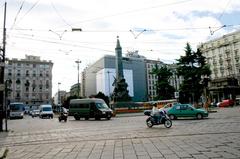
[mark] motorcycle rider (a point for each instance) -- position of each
(155, 113)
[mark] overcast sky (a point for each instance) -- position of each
(158, 29)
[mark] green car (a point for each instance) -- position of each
(186, 110)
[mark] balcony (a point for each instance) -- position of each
(227, 51)
(221, 61)
(229, 67)
(228, 58)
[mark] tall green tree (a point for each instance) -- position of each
(193, 68)
(101, 96)
(164, 89)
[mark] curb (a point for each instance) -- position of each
(128, 115)
(3, 153)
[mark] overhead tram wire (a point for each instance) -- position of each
(219, 18)
(15, 19)
(31, 35)
(61, 17)
(29, 10)
(147, 30)
(67, 44)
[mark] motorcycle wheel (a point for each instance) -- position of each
(149, 123)
(168, 123)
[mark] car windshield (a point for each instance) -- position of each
(47, 109)
(101, 105)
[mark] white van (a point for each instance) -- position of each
(16, 110)
(46, 111)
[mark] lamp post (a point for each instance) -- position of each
(2, 67)
(59, 100)
(78, 62)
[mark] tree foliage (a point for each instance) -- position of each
(101, 96)
(192, 67)
(66, 102)
(164, 89)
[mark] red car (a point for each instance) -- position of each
(226, 103)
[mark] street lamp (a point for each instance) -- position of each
(78, 62)
(59, 100)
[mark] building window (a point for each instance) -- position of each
(9, 72)
(34, 73)
(18, 82)
(47, 84)
(18, 73)
(27, 73)
(18, 95)
(40, 74)
(34, 65)
(27, 84)
(47, 74)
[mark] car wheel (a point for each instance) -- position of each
(199, 116)
(76, 117)
(172, 117)
(97, 118)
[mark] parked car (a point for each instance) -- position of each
(35, 113)
(237, 101)
(186, 110)
(226, 103)
(165, 108)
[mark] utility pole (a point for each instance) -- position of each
(2, 67)
(78, 62)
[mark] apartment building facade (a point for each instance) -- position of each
(223, 56)
(29, 80)
(151, 78)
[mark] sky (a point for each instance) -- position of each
(158, 29)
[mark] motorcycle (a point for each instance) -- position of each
(63, 115)
(151, 120)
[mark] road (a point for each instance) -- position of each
(125, 137)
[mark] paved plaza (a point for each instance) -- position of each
(125, 137)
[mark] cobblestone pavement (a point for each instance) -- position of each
(125, 138)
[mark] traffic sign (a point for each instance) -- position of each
(176, 94)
